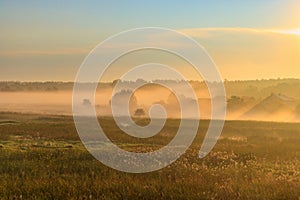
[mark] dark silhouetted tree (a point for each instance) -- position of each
(139, 112)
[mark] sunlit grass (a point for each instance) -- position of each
(43, 158)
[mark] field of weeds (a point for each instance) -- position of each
(41, 157)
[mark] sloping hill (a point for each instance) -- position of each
(276, 107)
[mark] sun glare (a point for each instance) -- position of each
(296, 32)
(292, 31)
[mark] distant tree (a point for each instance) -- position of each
(86, 102)
(116, 81)
(140, 81)
(120, 103)
(51, 88)
(6, 88)
(139, 112)
(235, 99)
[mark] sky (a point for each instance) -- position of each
(48, 40)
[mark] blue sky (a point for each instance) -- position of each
(120, 15)
(45, 26)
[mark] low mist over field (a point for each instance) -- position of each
(262, 100)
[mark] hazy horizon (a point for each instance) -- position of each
(259, 100)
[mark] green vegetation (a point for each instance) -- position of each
(42, 158)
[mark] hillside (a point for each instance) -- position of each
(276, 107)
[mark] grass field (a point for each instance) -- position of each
(41, 157)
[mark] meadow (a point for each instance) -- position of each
(41, 157)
